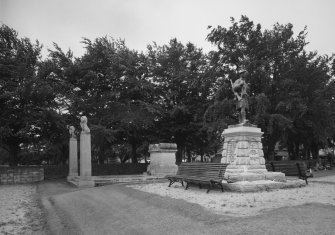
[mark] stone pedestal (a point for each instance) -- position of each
(243, 151)
(85, 156)
(73, 158)
(162, 159)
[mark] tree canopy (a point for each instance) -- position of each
(170, 93)
(286, 82)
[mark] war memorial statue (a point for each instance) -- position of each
(243, 149)
(240, 88)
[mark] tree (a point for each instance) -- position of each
(24, 98)
(108, 85)
(278, 67)
(309, 104)
(182, 82)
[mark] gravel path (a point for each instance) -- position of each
(119, 209)
(326, 179)
(157, 209)
(245, 204)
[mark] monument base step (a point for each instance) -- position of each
(79, 182)
(233, 177)
(263, 185)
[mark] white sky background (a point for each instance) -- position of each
(140, 22)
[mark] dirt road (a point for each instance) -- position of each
(117, 209)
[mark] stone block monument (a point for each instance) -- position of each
(162, 159)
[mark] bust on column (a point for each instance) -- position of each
(85, 149)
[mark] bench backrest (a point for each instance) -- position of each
(289, 168)
(268, 166)
(302, 168)
(208, 170)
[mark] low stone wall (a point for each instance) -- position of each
(56, 171)
(119, 169)
(21, 174)
(28, 174)
(62, 171)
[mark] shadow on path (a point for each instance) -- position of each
(117, 209)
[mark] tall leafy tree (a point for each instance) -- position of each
(25, 99)
(181, 77)
(278, 67)
(109, 85)
(308, 102)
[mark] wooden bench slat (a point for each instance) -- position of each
(199, 173)
(290, 169)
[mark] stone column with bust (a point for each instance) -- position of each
(242, 148)
(85, 149)
(85, 155)
(162, 159)
(73, 154)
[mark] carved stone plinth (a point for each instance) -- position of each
(162, 159)
(73, 158)
(85, 156)
(243, 151)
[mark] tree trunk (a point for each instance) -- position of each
(290, 149)
(296, 150)
(189, 156)
(304, 152)
(133, 153)
(308, 153)
(179, 154)
(271, 151)
(13, 153)
(101, 157)
(315, 151)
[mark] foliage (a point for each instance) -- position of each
(25, 99)
(285, 81)
(181, 77)
(170, 93)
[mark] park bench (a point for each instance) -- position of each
(210, 174)
(291, 169)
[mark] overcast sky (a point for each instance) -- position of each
(140, 22)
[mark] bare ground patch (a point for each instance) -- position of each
(20, 211)
(245, 204)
